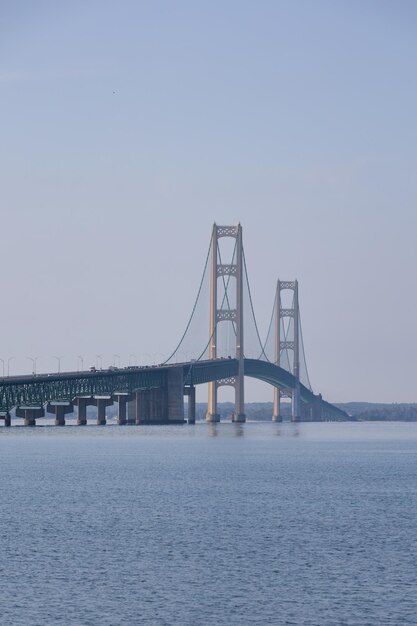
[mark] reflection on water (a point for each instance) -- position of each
(317, 431)
(239, 430)
(212, 429)
(286, 429)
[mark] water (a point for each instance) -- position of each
(310, 524)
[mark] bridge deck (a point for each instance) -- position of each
(37, 390)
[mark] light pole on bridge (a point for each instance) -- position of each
(130, 357)
(33, 359)
(2, 360)
(8, 365)
(80, 359)
(99, 359)
(116, 356)
(58, 358)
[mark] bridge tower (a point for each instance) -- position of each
(217, 315)
(284, 343)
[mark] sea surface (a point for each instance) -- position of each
(260, 523)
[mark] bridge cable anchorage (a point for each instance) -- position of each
(193, 310)
(252, 307)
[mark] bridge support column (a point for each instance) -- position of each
(306, 412)
(286, 344)
(239, 415)
(155, 406)
(295, 416)
(142, 407)
(122, 400)
(235, 316)
(276, 415)
(212, 414)
(60, 410)
(213, 417)
(30, 414)
(151, 406)
(175, 397)
(102, 403)
(7, 419)
(296, 398)
(30, 417)
(59, 416)
(318, 408)
(190, 392)
(131, 409)
(82, 404)
(296, 403)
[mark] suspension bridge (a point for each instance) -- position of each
(222, 334)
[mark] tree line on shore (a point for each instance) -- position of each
(372, 411)
(358, 411)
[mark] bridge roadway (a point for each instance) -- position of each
(154, 394)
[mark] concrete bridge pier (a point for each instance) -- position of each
(7, 419)
(174, 397)
(60, 410)
(131, 409)
(137, 407)
(307, 412)
(122, 400)
(102, 403)
(296, 403)
(149, 406)
(276, 415)
(312, 411)
(318, 408)
(159, 405)
(82, 404)
(30, 414)
(190, 392)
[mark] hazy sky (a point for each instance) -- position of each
(128, 127)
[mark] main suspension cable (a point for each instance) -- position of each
(194, 308)
(304, 354)
(253, 311)
(269, 329)
(221, 306)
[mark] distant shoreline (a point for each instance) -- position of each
(358, 411)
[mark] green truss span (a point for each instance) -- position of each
(38, 390)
